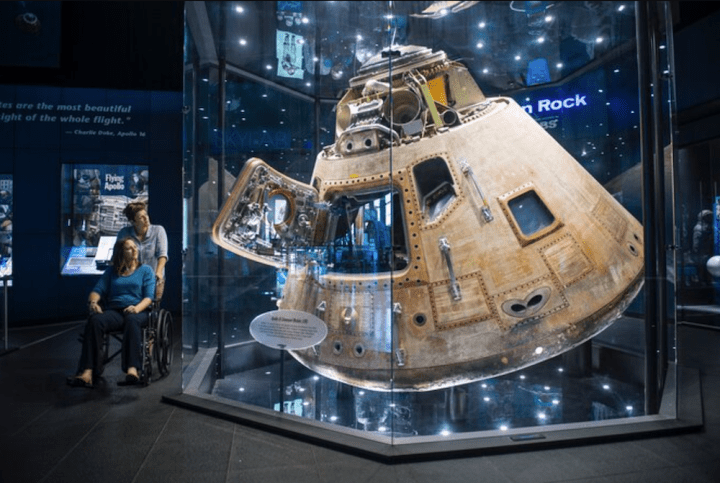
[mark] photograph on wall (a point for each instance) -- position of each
(6, 224)
(94, 197)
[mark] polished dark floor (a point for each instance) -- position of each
(50, 432)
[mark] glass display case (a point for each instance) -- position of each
(422, 227)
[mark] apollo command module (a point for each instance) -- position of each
(444, 238)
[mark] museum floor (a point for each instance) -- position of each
(50, 432)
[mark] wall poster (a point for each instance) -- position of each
(94, 197)
(6, 224)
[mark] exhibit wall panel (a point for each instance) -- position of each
(47, 127)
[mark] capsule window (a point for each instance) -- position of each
(530, 213)
(435, 186)
(366, 232)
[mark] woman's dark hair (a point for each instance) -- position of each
(133, 208)
(118, 259)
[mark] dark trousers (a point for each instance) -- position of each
(98, 325)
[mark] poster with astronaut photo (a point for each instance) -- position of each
(6, 224)
(94, 197)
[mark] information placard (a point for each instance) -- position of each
(288, 329)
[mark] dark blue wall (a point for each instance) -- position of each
(33, 152)
(128, 49)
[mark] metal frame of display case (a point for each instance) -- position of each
(672, 393)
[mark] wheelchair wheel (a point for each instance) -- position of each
(164, 342)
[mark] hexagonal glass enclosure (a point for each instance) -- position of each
(426, 227)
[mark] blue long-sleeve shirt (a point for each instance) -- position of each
(122, 291)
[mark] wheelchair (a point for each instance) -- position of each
(156, 348)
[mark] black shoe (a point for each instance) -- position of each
(130, 380)
(74, 381)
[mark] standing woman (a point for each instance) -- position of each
(151, 240)
(126, 290)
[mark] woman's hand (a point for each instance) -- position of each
(131, 309)
(94, 308)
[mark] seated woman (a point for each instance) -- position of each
(150, 239)
(127, 289)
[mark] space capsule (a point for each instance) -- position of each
(444, 238)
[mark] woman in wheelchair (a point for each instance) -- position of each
(126, 289)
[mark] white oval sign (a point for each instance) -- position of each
(288, 329)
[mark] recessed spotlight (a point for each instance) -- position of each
(480, 45)
(239, 9)
(548, 18)
(305, 20)
(599, 40)
(243, 42)
(541, 40)
(482, 25)
(621, 8)
(486, 70)
(559, 65)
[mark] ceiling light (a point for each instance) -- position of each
(243, 42)
(549, 18)
(480, 45)
(559, 65)
(621, 8)
(517, 57)
(481, 25)
(239, 9)
(541, 40)
(305, 20)
(599, 40)
(486, 70)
